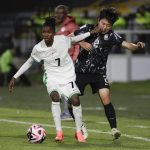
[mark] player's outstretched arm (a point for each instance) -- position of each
(132, 46)
(23, 69)
(85, 35)
(85, 45)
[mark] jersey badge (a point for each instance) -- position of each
(106, 37)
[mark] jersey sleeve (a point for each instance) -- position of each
(80, 37)
(116, 39)
(35, 55)
(24, 68)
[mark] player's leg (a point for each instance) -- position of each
(83, 126)
(81, 82)
(65, 115)
(77, 112)
(101, 85)
(71, 91)
(71, 110)
(109, 111)
(56, 111)
(54, 92)
(68, 111)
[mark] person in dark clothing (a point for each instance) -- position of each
(90, 66)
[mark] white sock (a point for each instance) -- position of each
(56, 111)
(77, 111)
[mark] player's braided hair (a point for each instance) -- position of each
(50, 21)
(110, 13)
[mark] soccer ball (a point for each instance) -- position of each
(36, 134)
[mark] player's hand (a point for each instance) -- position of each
(12, 84)
(141, 45)
(85, 45)
(97, 29)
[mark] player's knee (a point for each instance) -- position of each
(75, 100)
(105, 101)
(55, 96)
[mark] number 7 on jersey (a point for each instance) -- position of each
(58, 59)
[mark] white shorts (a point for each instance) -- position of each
(64, 90)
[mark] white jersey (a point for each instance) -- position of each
(57, 62)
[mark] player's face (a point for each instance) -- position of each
(48, 34)
(105, 26)
(60, 15)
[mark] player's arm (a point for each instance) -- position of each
(84, 35)
(85, 45)
(23, 69)
(80, 37)
(132, 46)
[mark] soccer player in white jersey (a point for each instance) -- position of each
(59, 76)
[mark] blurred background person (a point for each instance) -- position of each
(7, 67)
(36, 21)
(65, 25)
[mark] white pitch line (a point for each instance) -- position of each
(101, 108)
(102, 122)
(89, 130)
(132, 126)
(139, 126)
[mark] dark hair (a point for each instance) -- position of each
(49, 21)
(110, 13)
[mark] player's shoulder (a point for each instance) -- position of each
(41, 46)
(59, 38)
(114, 34)
(114, 37)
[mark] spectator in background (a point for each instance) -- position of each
(65, 25)
(118, 25)
(7, 68)
(142, 19)
(142, 22)
(36, 22)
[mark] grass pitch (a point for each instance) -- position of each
(29, 105)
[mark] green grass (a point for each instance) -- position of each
(33, 105)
